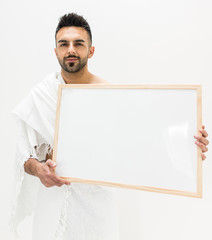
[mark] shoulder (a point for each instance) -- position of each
(52, 77)
(99, 80)
(47, 85)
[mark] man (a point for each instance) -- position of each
(73, 48)
(78, 211)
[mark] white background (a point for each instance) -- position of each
(137, 41)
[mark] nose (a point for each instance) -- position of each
(71, 49)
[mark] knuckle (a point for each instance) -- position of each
(48, 174)
(45, 180)
(205, 149)
(61, 183)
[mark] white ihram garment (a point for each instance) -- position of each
(76, 212)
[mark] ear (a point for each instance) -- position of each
(91, 52)
(55, 50)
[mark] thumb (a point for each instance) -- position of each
(51, 163)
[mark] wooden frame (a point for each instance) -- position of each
(195, 88)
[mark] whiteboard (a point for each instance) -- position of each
(132, 136)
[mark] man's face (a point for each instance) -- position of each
(73, 48)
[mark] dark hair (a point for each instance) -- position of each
(73, 20)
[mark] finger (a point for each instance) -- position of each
(202, 140)
(203, 156)
(203, 132)
(202, 146)
(64, 180)
(48, 182)
(203, 126)
(67, 181)
(51, 182)
(51, 163)
(59, 180)
(59, 185)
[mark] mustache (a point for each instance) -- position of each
(72, 56)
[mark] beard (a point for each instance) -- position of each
(73, 67)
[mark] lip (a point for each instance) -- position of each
(71, 59)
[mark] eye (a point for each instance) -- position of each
(79, 44)
(63, 44)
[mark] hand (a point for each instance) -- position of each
(202, 142)
(47, 175)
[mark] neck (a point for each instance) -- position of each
(81, 77)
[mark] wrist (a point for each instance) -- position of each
(38, 166)
(32, 166)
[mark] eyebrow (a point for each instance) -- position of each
(77, 40)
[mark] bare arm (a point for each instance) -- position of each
(31, 166)
(45, 172)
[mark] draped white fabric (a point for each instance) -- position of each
(76, 212)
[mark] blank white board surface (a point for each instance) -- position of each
(130, 136)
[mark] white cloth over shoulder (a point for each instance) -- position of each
(77, 212)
